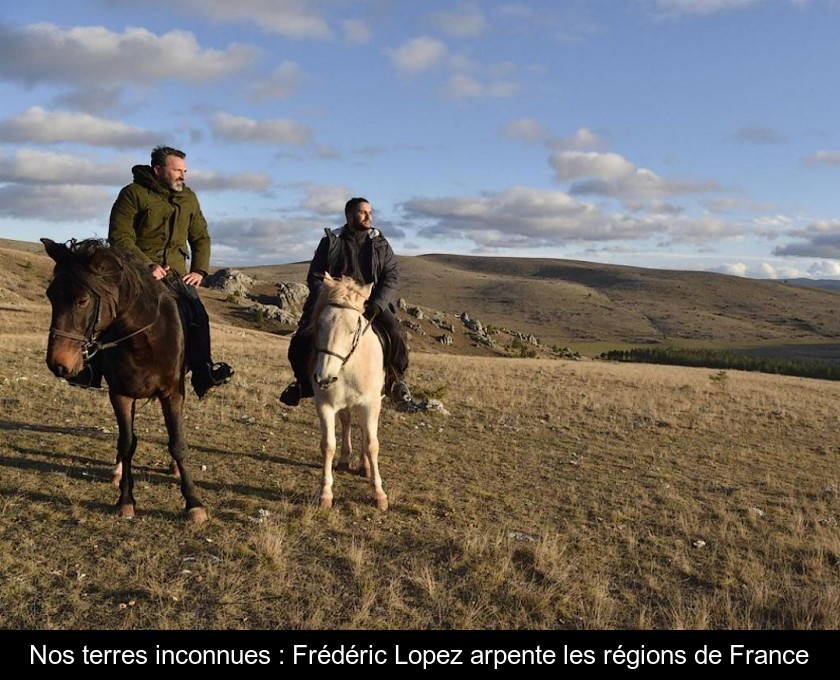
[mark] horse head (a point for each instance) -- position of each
(84, 296)
(340, 325)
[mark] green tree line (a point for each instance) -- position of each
(724, 359)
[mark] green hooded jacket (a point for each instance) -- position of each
(157, 224)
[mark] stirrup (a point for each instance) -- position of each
(221, 373)
(400, 394)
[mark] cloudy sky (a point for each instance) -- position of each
(681, 134)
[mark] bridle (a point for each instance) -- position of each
(90, 340)
(361, 329)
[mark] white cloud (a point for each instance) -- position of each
(823, 158)
(825, 269)
(462, 86)
(571, 165)
(282, 83)
(326, 200)
(39, 126)
(250, 241)
(517, 217)
(733, 269)
(820, 239)
(244, 181)
(523, 217)
(278, 131)
(612, 175)
(289, 18)
(582, 139)
(699, 7)
(27, 166)
(357, 31)
(526, 130)
(55, 203)
(44, 53)
(418, 55)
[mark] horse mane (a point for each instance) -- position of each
(344, 291)
(108, 272)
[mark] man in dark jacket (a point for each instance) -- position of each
(158, 218)
(358, 250)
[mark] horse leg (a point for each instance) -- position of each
(345, 459)
(327, 417)
(364, 459)
(126, 445)
(173, 416)
(370, 442)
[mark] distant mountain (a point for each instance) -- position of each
(827, 284)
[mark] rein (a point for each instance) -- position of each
(360, 331)
(90, 340)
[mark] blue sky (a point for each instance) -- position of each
(679, 134)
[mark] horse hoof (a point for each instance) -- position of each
(173, 469)
(116, 479)
(382, 503)
(326, 503)
(125, 511)
(197, 515)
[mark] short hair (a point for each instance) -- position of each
(352, 204)
(161, 153)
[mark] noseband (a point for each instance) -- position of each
(360, 331)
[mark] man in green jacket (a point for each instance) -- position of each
(159, 219)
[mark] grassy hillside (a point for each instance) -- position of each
(591, 307)
(585, 306)
(548, 495)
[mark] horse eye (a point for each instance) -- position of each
(83, 301)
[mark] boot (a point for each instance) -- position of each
(291, 395)
(296, 391)
(211, 376)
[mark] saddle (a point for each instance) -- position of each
(385, 341)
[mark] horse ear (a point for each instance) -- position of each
(367, 289)
(56, 251)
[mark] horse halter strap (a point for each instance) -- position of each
(360, 331)
(90, 340)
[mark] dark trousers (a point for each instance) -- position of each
(302, 348)
(196, 325)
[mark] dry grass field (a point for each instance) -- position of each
(550, 495)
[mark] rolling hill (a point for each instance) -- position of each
(557, 303)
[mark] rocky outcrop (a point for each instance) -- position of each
(434, 324)
(291, 295)
(230, 281)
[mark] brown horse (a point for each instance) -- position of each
(105, 300)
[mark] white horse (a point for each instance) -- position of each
(347, 380)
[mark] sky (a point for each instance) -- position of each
(678, 134)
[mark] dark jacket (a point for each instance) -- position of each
(377, 265)
(157, 224)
